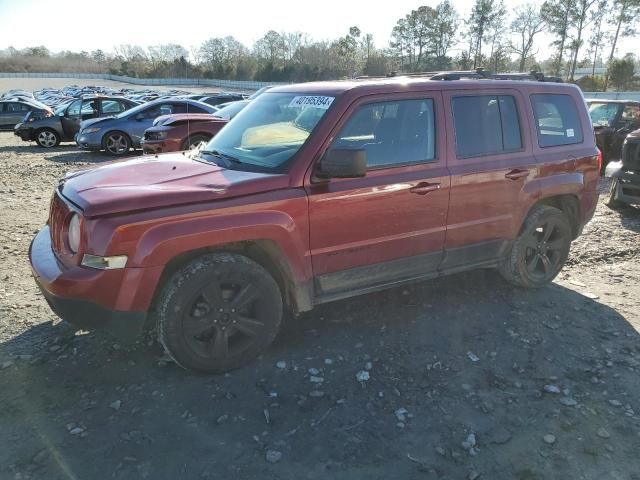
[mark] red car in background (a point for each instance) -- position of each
(183, 131)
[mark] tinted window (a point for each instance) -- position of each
(392, 133)
(557, 120)
(16, 108)
(486, 124)
(2, 107)
(187, 108)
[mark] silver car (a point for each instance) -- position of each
(12, 112)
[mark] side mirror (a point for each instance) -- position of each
(343, 163)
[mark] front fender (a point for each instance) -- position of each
(163, 242)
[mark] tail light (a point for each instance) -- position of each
(599, 160)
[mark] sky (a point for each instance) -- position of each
(88, 25)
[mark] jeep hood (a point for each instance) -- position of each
(165, 180)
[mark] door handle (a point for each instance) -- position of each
(424, 187)
(516, 174)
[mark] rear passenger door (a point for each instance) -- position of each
(490, 161)
(389, 225)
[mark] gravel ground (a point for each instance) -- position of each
(459, 378)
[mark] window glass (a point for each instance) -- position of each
(187, 108)
(111, 107)
(392, 133)
(74, 109)
(89, 108)
(557, 120)
(603, 114)
(486, 124)
(157, 110)
(2, 107)
(16, 107)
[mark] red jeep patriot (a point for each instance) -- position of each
(317, 192)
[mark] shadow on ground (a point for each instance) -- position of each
(462, 354)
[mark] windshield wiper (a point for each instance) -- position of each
(222, 156)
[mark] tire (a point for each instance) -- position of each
(218, 313)
(116, 143)
(540, 250)
(612, 202)
(47, 138)
(194, 140)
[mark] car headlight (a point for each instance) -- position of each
(73, 235)
(91, 130)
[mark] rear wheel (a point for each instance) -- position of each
(541, 249)
(612, 200)
(218, 312)
(194, 141)
(117, 143)
(47, 138)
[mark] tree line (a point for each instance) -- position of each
(582, 34)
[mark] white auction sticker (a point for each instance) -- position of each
(315, 101)
(570, 132)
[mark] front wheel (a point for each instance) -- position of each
(218, 312)
(117, 143)
(47, 138)
(541, 249)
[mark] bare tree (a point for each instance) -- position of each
(556, 15)
(526, 25)
(627, 13)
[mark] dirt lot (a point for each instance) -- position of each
(547, 381)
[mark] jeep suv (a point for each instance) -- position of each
(317, 192)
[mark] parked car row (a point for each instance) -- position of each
(103, 121)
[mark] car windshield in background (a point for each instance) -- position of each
(271, 129)
(603, 114)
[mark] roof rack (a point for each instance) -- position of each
(478, 73)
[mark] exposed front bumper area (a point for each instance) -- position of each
(68, 291)
(628, 187)
(23, 132)
(151, 147)
(88, 142)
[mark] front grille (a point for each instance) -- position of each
(58, 218)
(151, 136)
(631, 156)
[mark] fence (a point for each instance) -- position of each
(235, 84)
(613, 95)
(230, 84)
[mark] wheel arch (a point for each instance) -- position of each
(266, 253)
(568, 203)
(115, 130)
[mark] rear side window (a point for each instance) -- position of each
(557, 120)
(485, 125)
(392, 133)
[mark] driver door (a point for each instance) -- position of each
(389, 226)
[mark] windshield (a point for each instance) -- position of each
(270, 129)
(603, 114)
(229, 111)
